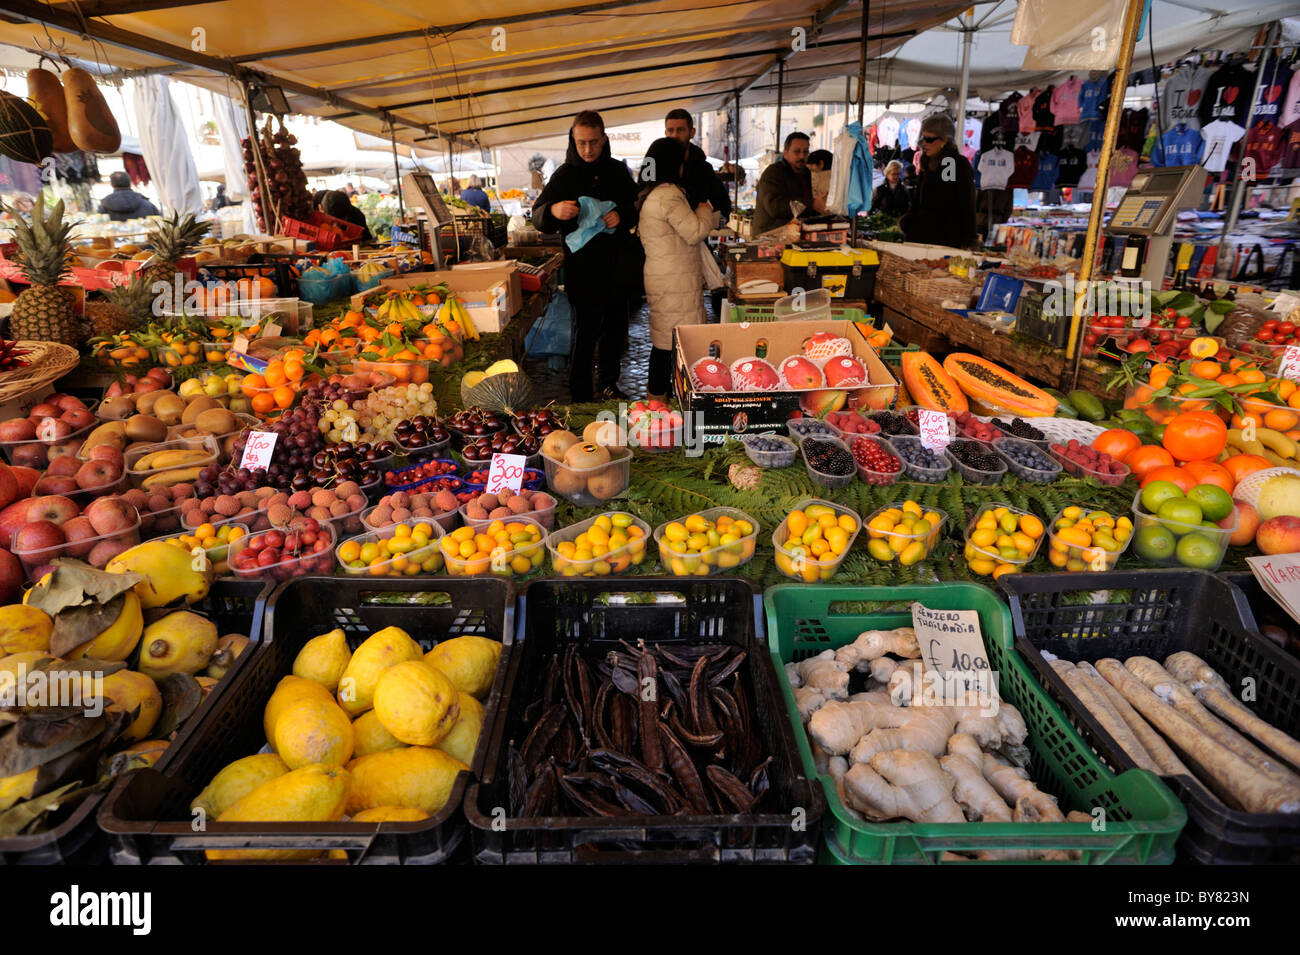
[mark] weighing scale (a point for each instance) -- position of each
(1146, 217)
(420, 192)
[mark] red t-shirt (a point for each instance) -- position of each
(1026, 169)
(1265, 143)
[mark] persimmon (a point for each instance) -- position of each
(1147, 458)
(1119, 443)
(1170, 473)
(1195, 435)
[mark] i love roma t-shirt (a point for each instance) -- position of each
(1180, 99)
(1227, 95)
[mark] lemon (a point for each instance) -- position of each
(311, 794)
(469, 662)
(116, 641)
(371, 736)
(416, 777)
(323, 659)
(237, 780)
(380, 651)
(416, 702)
(314, 731)
(390, 814)
(463, 738)
(290, 689)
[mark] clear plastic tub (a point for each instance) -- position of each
(96, 551)
(899, 542)
(1044, 443)
(615, 561)
(446, 520)
(545, 517)
(404, 372)
(36, 452)
(257, 519)
(404, 485)
(519, 561)
(407, 456)
(424, 559)
(871, 475)
(917, 472)
(1204, 553)
(782, 458)
(157, 523)
(84, 496)
(989, 553)
(796, 562)
(719, 559)
(801, 428)
(1079, 470)
(218, 553)
(1073, 557)
(975, 475)
(812, 305)
(823, 478)
(575, 484)
(319, 563)
(459, 438)
(1043, 475)
(141, 478)
(533, 480)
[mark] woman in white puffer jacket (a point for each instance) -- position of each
(671, 233)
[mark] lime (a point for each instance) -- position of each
(1157, 492)
(1215, 502)
(1180, 510)
(1199, 551)
(1154, 543)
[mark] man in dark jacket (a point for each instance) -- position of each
(785, 181)
(123, 203)
(335, 202)
(592, 277)
(700, 181)
(943, 206)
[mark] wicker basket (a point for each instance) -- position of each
(1057, 430)
(46, 362)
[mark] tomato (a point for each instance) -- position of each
(1182, 322)
(1090, 339)
(1195, 436)
(1269, 325)
(1119, 443)
(1264, 335)
(1286, 328)
(1138, 345)
(1147, 458)
(1165, 335)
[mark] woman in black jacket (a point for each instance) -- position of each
(892, 197)
(943, 208)
(592, 278)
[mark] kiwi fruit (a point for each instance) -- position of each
(146, 428)
(197, 406)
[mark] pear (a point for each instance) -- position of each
(181, 642)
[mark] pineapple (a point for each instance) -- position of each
(126, 307)
(172, 240)
(45, 311)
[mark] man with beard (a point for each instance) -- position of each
(786, 180)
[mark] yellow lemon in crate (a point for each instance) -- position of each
(289, 690)
(324, 659)
(390, 814)
(315, 793)
(236, 781)
(416, 777)
(463, 738)
(372, 736)
(381, 650)
(313, 731)
(469, 662)
(416, 702)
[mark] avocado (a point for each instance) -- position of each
(1087, 404)
(1063, 407)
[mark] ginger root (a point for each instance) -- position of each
(874, 644)
(902, 784)
(976, 796)
(824, 674)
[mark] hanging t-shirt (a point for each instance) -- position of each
(1092, 99)
(1291, 108)
(1123, 167)
(1026, 110)
(1049, 168)
(1096, 136)
(1181, 146)
(971, 136)
(913, 133)
(887, 131)
(1291, 155)
(1043, 117)
(1027, 140)
(1065, 101)
(1227, 95)
(1272, 92)
(1026, 169)
(902, 137)
(1265, 143)
(1219, 137)
(1076, 136)
(1009, 114)
(996, 167)
(1133, 125)
(1071, 164)
(992, 136)
(1180, 97)
(1089, 178)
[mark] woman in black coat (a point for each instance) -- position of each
(943, 207)
(592, 279)
(892, 197)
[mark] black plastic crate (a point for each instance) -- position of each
(1155, 613)
(279, 269)
(1261, 610)
(236, 606)
(596, 614)
(149, 815)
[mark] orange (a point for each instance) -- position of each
(1293, 434)
(1210, 472)
(394, 329)
(417, 300)
(263, 403)
(275, 374)
(1117, 442)
(252, 385)
(1241, 466)
(433, 351)
(1160, 376)
(368, 333)
(284, 396)
(1228, 380)
(1294, 400)
(1195, 435)
(1251, 376)
(1206, 369)
(1187, 387)
(1147, 458)
(1169, 473)
(1285, 388)
(293, 369)
(1280, 420)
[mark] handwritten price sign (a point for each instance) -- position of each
(507, 472)
(934, 429)
(953, 647)
(257, 453)
(1290, 366)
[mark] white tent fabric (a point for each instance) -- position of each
(232, 125)
(165, 147)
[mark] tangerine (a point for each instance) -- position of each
(253, 385)
(284, 396)
(1211, 472)
(263, 403)
(1209, 370)
(1242, 466)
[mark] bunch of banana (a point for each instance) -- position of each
(398, 307)
(1269, 444)
(454, 309)
(173, 466)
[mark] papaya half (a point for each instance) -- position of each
(993, 385)
(929, 385)
(92, 126)
(46, 92)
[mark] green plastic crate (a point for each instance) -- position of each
(891, 354)
(1142, 816)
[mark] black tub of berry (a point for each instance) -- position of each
(1026, 460)
(877, 463)
(1084, 461)
(976, 461)
(893, 424)
(828, 460)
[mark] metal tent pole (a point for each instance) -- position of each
(780, 96)
(735, 171)
(968, 32)
(862, 100)
(397, 172)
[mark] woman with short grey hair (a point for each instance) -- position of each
(943, 208)
(892, 196)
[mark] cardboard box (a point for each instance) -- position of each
(721, 416)
(492, 296)
(508, 269)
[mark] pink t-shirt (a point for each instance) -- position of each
(1065, 101)
(1123, 167)
(1026, 110)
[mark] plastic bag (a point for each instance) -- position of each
(552, 334)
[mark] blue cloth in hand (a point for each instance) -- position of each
(591, 214)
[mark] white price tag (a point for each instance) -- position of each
(934, 429)
(258, 450)
(507, 471)
(271, 330)
(1279, 575)
(48, 429)
(241, 344)
(1290, 366)
(952, 649)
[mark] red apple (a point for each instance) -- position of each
(26, 478)
(44, 410)
(52, 508)
(11, 577)
(17, 429)
(1247, 524)
(57, 484)
(69, 403)
(79, 533)
(148, 384)
(33, 456)
(51, 429)
(159, 374)
(79, 418)
(111, 515)
(8, 486)
(64, 465)
(37, 540)
(106, 452)
(97, 474)
(1279, 535)
(799, 372)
